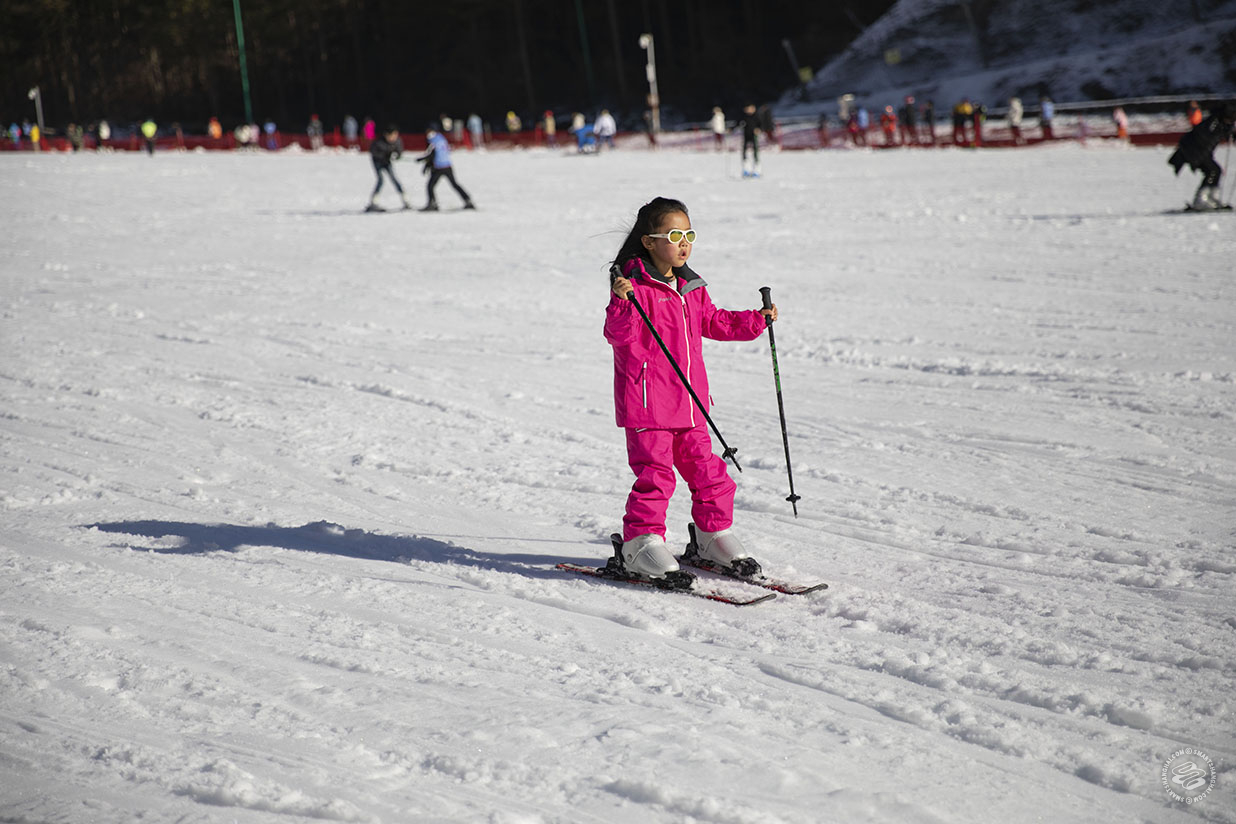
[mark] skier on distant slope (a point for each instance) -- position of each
(1197, 150)
(664, 429)
(751, 127)
(437, 164)
(382, 151)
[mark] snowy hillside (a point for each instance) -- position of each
(283, 487)
(1071, 50)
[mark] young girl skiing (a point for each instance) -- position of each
(664, 429)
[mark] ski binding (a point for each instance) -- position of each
(746, 570)
(679, 581)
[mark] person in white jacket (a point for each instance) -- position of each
(1016, 112)
(605, 128)
(718, 127)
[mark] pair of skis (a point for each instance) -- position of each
(688, 584)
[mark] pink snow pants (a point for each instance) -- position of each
(654, 454)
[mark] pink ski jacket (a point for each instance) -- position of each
(647, 392)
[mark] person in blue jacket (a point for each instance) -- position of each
(437, 164)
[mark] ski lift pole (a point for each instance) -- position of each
(728, 452)
(766, 294)
(1227, 168)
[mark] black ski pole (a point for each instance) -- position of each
(728, 451)
(766, 293)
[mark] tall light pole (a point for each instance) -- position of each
(244, 71)
(654, 101)
(37, 96)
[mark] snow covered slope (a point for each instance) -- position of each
(1073, 50)
(283, 486)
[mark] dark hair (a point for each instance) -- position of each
(647, 220)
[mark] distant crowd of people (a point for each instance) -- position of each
(470, 132)
(910, 124)
(915, 124)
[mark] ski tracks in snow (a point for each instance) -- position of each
(282, 511)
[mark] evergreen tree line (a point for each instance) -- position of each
(404, 60)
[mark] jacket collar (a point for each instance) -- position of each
(635, 268)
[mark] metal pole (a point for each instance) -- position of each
(654, 100)
(244, 71)
(1227, 168)
(583, 44)
(766, 293)
(37, 96)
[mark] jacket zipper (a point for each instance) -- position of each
(686, 339)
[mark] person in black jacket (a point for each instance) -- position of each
(751, 128)
(1197, 150)
(383, 150)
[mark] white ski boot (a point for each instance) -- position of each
(722, 547)
(647, 555)
(1207, 198)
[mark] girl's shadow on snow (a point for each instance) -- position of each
(330, 539)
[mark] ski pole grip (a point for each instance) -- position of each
(766, 294)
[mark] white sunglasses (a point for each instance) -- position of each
(676, 235)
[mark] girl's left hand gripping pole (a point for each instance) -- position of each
(728, 451)
(766, 293)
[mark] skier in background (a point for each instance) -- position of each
(888, 125)
(437, 163)
(863, 118)
(750, 126)
(315, 131)
(149, 130)
(909, 124)
(551, 129)
(476, 128)
(1121, 120)
(1016, 112)
(383, 150)
(962, 112)
(978, 116)
(1197, 150)
(605, 129)
(718, 127)
(76, 135)
(1047, 113)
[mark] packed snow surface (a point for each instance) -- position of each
(284, 485)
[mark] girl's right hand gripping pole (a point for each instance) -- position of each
(766, 294)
